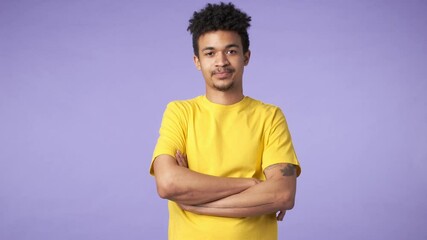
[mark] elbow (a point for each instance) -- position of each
(286, 201)
(166, 187)
(164, 192)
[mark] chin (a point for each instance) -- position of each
(224, 88)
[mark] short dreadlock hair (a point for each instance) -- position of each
(219, 17)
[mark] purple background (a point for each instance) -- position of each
(83, 85)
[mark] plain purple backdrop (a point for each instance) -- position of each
(83, 85)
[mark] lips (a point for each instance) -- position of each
(223, 73)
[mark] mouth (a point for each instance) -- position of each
(223, 73)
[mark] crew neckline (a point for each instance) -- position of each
(241, 103)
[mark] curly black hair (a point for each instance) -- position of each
(219, 17)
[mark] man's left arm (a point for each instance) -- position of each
(275, 194)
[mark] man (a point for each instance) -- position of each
(224, 160)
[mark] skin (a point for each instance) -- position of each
(222, 61)
(275, 195)
(178, 183)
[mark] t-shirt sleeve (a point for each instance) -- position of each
(278, 147)
(171, 133)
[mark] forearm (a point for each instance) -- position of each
(273, 195)
(257, 200)
(235, 212)
(185, 186)
(190, 187)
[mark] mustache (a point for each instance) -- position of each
(222, 70)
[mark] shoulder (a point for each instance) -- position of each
(263, 108)
(186, 105)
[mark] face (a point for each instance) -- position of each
(221, 60)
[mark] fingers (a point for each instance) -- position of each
(185, 206)
(257, 180)
(281, 215)
(182, 206)
(181, 159)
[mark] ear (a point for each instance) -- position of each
(247, 56)
(197, 62)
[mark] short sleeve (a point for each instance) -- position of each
(171, 134)
(278, 147)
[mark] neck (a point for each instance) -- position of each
(224, 98)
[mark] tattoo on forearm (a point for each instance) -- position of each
(288, 170)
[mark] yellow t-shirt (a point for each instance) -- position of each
(238, 140)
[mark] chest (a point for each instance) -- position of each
(225, 144)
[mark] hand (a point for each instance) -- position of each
(185, 207)
(281, 215)
(194, 209)
(181, 159)
(256, 181)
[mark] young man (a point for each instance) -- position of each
(224, 160)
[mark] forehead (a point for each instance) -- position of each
(219, 39)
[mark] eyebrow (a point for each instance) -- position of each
(226, 47)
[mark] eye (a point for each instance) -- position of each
(231, 52)
(209, 54)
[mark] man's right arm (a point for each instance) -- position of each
(185, 186)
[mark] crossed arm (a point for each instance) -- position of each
(179, 184)
(222, 196)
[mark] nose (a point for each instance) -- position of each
(221, 60)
